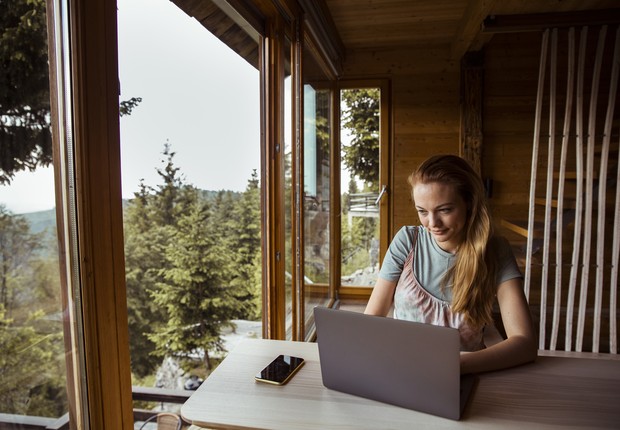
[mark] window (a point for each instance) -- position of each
(191, 158)
(317, 187)
(365, 184)
(37, 317)
(360, 141)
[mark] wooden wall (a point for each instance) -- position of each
(511, 63)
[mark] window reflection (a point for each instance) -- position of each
(317, 182)
(32, 348)
(289, 258)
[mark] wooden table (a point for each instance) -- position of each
(553, 392)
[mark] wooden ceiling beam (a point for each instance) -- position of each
(320, 24)
(228, 24)
(541, 21)
(470, 26)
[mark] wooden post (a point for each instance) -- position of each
(615, 260)
(472, 78)
(549, 188)
(602, 194)
(579, 191)
(530, 223)
(587, 239)
(570, 80)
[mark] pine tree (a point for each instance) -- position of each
(144, 258)
(191, 262)
(149, 227)
(246, 246)
(196, 301)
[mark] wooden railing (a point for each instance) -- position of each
(363, 203)
(24, 422)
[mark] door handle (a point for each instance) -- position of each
(383, 191)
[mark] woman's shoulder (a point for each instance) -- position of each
(408, 233)
(409, 229)
(405, 238)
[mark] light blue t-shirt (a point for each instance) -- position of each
(431, 262)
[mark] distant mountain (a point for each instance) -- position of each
(42, 220)
(46, 220)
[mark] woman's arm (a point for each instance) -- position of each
(520, 345)
(381, 299)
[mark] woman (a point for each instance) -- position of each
(450, 270)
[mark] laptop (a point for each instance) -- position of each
(403, 363)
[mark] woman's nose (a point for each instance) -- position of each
(433, 220)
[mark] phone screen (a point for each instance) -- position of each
(280, 370)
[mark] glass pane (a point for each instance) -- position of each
(289, 259)
(317, 139)
(33, 313)
(190, 142)
(359, 136)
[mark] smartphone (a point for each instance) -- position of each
(280, 370)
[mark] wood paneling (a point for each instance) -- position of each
(511, 75)
(388, 23)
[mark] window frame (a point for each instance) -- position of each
(386, 207)
(86, 134)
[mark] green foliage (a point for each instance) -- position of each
(149, 229)
(25, 131)
(144, 245)
(25, 137)
(361, 117)
(25, 361)
(246, 247)
(32, 358)
(127, 106)
(193, 295)
(17, 251)
(191, 260)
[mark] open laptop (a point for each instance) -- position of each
(407, 364)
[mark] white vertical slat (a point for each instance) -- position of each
(548, 189)
(615, 260)
(602, 199)
(587, 239)
(530, 223)
(568, 109)
(574, 272)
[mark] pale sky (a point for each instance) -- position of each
(196, 93)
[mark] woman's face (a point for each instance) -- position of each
(442, 212)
